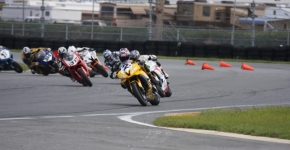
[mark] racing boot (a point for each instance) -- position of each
(32, 70)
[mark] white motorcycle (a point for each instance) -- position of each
(158, 79)
(91, 59)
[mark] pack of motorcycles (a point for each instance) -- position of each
(83, 65)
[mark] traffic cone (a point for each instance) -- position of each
(206, 66)
(223, 64)
(189, 62)
(247, 67)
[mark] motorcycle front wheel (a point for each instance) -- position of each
(85, 78)
(158, 87)
(141, 97)
(17, 67)
(169, 92)
(156, 100)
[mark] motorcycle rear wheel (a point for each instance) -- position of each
(85, 78)
(169, 92)
(17, 67)
(102, 71)
(138, 94)
(158, 86)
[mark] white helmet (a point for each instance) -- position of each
(71, 49)
(62, 50)
(153, 57)
(26, 50)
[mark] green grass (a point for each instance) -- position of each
(24, 66)
(271, 121)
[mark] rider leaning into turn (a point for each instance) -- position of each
(124, 56)
(28, 56)
(112, 60)
(62, 68)
(153, 58)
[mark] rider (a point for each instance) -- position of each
(144, 58)
(62, 69)
(28, 57)
(1, 48)
(124, 55)
(111, 59)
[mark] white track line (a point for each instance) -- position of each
(128, 118)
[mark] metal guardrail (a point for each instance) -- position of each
(170, 33)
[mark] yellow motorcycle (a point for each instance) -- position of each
(138, 83)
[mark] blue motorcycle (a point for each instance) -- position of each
(46, 63)
(7, 62)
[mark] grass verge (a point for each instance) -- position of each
(271, 121)
(24, 66)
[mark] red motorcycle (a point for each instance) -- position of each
(77, 68)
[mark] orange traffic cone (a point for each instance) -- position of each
(247, 67)
(189, 62)
(223, 64)
(206, 66)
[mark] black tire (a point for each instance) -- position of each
(102, 70)
(156, 101)
(157, 85)
(45, 71)
(169, 92)
(17, 67)
(138, 94)
(86, 80)
(55, 67)
(92, 73)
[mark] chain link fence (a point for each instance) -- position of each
(169, 33)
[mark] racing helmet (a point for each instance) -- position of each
(26, 51)
(153, 57)
(124, 54)
(2, 47)
(61, 51)
(107, 54)
(134, 55)
(72, 49)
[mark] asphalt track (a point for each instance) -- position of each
(54, 113)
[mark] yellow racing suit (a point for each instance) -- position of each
(30, 61)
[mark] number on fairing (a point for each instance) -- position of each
(48, 57)
(126, 67)
(74, 61)
(4, 54)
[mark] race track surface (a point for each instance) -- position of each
(54, 113)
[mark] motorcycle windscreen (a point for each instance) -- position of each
(70, 58)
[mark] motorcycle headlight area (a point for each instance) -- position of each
(48, 57)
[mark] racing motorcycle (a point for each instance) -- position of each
(77, 68)
(135, 80)
(158, 79)
(7, 62)
(46, 63)
(91, 59)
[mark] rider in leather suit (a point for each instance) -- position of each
(112, 60)
(28, 56)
